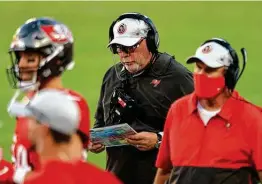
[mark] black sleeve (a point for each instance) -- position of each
(99, 115)
(184, 79)
(182, 82)
(186, 83)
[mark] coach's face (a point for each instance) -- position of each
(201, 68)
(208, 82)
(28, 64)
(136, 57)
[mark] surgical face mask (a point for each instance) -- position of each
(208, 87)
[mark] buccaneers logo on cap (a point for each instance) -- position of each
(207, 49)
(122, 28)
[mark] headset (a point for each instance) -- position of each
(233, 72)
(152, 39)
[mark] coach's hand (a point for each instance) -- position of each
(144, 141)
(96, 148)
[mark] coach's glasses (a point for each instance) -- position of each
(128, 49)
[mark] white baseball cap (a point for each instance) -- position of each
(129, 31)
(54, 108)
(213, 55)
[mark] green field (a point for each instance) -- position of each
(182, 27)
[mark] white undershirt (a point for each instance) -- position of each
(206, 115)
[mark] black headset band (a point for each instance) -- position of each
(137, 16)
(232, 75)
(152, 35)
(224, 44)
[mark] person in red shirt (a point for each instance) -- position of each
(212, 136)
(53, 118)
(71, 173)
(41, 50)
(5, 166)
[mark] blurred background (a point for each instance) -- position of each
(182, 26)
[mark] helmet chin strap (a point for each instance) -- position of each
(26, 86)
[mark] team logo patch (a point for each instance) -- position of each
(122, 28)
(207, 49)
(155, 82)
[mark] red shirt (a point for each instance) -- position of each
(71, 173)
(23, 156)
(232, 139)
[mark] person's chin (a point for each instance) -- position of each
(132, 68)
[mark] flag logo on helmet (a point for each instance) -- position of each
(58, 33)
(207, 49)
(122, 28)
